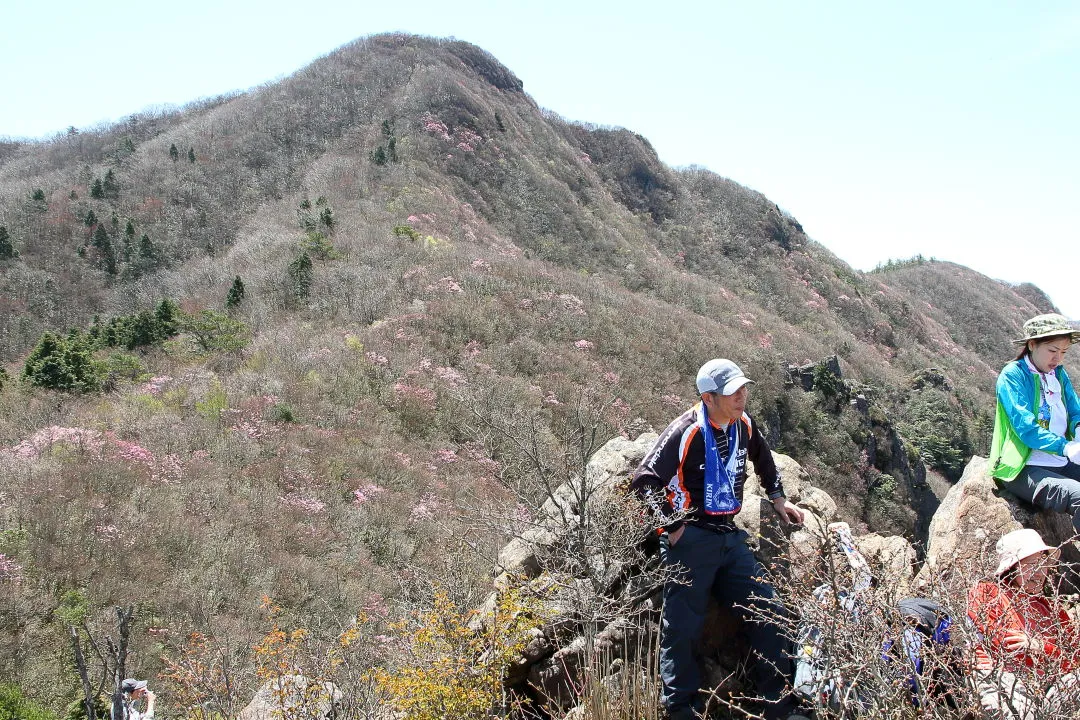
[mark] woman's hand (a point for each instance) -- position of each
(1072, 451)
(1019, 643)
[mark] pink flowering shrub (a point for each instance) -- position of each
(432, 125)
(583, 345)
(366, 492)
(671, 400)
(302, 502)
(446, 455)
(468, 137)
(10, 570)
(445, 284)
(450, 376)
(376, 359)
(155, 385)
(81, 439)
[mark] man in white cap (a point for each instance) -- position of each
(135, 691)
(693, 479)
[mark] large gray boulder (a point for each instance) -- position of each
(970, 520)
(606, 472)
(293, 696)
(892, 559)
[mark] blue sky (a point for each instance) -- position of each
(946, 129)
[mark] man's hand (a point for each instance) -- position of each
(674, 535)
(788, 512)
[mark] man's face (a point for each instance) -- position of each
(725, 408)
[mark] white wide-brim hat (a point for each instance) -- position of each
(1017, 545)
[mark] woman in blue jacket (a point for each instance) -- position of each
(1034, 454)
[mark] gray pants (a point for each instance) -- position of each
(1055, 489)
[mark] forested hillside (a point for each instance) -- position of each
(332, 340)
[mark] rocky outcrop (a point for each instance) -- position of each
(293, 696)
(972, 517)
(892, 558)
(573, 645)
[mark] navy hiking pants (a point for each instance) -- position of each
(720, 565)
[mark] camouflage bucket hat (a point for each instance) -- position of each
(1048, 325)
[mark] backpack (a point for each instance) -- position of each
(927, 629)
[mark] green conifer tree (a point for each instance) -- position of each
(105, 250)
(142, 330)
(109, 187)
(91, 219)
(146, 248)
(63, 363)
(7, 248)
(167, 314)
(191, 155)
(96, 190)
(300, 273)
(236, 293)
(174, 153)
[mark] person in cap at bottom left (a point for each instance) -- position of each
(136, 691)
(693, 478)
(1029, 641)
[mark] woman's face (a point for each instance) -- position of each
(1046, 355)
(1032, 571)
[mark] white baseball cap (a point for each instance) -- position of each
(721, 376)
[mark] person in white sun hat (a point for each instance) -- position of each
(1030, 644)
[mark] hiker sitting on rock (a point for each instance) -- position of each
(1034, 453)
(1030, 646)
(697, 468)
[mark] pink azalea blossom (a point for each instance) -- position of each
(10, 571)
(450, 376)
(302, 502)
(433, 126)
(412, 393)
(446, 456)
(671, 400)
(376, 359)
(366, 493)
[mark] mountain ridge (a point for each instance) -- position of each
(490, 292)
